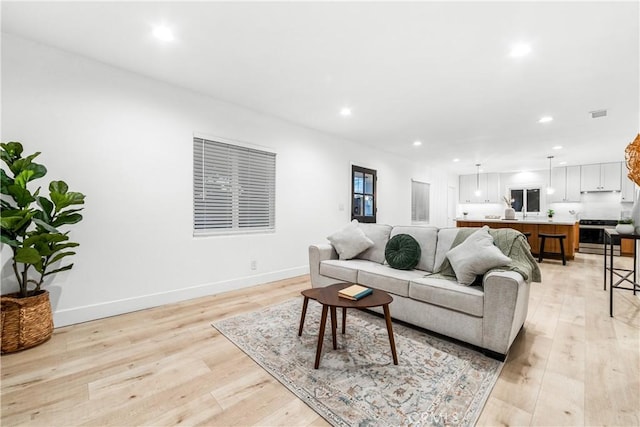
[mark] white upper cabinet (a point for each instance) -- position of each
(559, 184)
(487, 183)
(610, 173)
(590, 178)
(600, 177)
(566, 183)
(573, 184)
(493, 188)
(628, 191)
(467, 188)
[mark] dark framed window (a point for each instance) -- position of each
(525, 198)
(363, 194)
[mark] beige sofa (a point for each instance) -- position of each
(488, 316)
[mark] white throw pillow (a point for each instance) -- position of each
(350, 241)
(476, 255)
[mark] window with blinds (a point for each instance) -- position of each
(419, 202)
(234, 188)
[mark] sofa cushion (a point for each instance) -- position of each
(427, 238)
(449, 294)
(475, 256)
(388, 279)
(379, 234)
(350, 241)
(446, 236)
(346, 270)
(402, 252)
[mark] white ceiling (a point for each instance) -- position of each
(436, 72)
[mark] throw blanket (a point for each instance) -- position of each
(512, 243)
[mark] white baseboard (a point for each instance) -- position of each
(71, 316)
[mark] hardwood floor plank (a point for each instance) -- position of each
(192, 412)
(568, 352)
(159, 395)
(571, 364)
(560, 401)
(242, 384)
(293, 412)
(255, 406)
(500, 413)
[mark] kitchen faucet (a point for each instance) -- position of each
(524, 213)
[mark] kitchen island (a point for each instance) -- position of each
(570, 228)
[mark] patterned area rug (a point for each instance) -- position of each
(435, 383)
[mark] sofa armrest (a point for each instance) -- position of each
(317, 254)
(506, 301)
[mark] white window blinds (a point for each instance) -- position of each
(234, 188)
(419, 201)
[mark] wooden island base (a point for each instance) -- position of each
(571, 230)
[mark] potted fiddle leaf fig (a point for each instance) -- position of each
(31, 226)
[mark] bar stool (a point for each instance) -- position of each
(560, 237)
(527, 234)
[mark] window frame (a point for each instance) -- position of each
(427, 205)
(525, 203)
(365, 171)
(238, 153)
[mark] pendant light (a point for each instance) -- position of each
(478, 192)
(550, 189)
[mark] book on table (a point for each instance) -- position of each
(354, 292)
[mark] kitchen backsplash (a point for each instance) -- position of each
(602, 205)
(605, 205)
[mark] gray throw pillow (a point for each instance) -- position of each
(350, 241)
(475, 256)
(379, 235)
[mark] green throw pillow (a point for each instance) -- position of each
(402, 252)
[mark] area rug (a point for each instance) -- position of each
(436, 382)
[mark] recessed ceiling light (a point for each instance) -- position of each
(417, 143)
(456, 160)
(557, 147)
(164, 33)
(563, 163)
(545, 119)
(519, 50)
(345, 111)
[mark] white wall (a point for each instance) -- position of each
(126, 142)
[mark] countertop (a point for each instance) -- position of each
(538, 220)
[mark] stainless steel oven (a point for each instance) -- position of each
(592, 236)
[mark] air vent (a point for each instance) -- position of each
(598, 113)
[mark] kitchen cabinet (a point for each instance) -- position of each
(488, 183)
(626, 247)
(600, 177)
(571, 230)
(573, 184)
(492, 192)
(628, 191)
(566, 183)
(467, 188)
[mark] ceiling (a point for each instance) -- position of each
(437, 72)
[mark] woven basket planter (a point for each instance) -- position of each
(26, 322)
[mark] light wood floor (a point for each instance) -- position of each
(571, 365)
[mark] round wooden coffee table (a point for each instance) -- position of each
(329, 299)
(313, 294)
